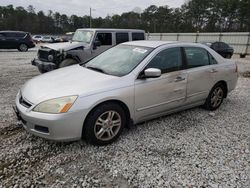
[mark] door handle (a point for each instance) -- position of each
(179, 79)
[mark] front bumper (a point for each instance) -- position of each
(48, 66)
(57, 127)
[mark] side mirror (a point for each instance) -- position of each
(96, 44)
(152, 73)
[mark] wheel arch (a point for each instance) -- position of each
(70, 56)
(224, 83)
(116, 101)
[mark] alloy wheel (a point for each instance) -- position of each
(107, 125)
(217, 97)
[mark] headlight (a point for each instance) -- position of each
(51, 58)
(56, 106)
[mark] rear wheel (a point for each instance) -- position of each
(104, 124)
(67, 62)
(23, 48)
(215, 97)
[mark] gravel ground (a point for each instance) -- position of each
(194, 148)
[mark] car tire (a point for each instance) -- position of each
(228, 56)
(215, 97)
(23, 47)
(41, 70)
(67, 62)
(104, 124)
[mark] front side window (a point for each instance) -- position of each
(82, 36)
(168, 60)
(119, 60)
(121, 37)
(104, 38)
(196, 57)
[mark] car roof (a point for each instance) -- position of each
(150, 44)
(111, 29)
(13, 32)
(156, 44)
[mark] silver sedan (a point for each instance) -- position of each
(130, 83)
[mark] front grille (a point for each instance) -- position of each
(43, 54)
(23, 102)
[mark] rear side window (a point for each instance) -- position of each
(196, 57)
(121, 37)
(215, 46)
(2, 35)
(15, 35)
(224, 45)
(20, 35)
(104, 38)
(168, 60)
(212, 60)
(138, 36)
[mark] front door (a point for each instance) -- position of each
(155, 96)
(105, 40)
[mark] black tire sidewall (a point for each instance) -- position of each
(88, 129)
(19, 47)
(41, 70)
(208, 104)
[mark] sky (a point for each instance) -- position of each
(100, 8)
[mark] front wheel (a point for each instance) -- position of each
(215, 97)
(104, 124)
(23, 48)
(67, 62)
(41, 70)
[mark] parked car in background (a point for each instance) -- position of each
(37, 38)
(85, 44)
(47, 39)
(16, 40)
(132, 82)
(221, 48)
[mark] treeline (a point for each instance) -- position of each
(193, 16)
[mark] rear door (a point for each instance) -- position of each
(121, 37)
(200, 74)
(155, 96)
(138, 36)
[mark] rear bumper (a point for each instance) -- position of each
(48, 66)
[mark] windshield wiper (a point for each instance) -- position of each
(96, 69)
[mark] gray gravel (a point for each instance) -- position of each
(194, 148)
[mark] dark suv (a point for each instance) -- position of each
(16, 40)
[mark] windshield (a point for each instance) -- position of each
(82, 36)
(120, 60)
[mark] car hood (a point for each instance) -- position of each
(73, 80)
(65, 45)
